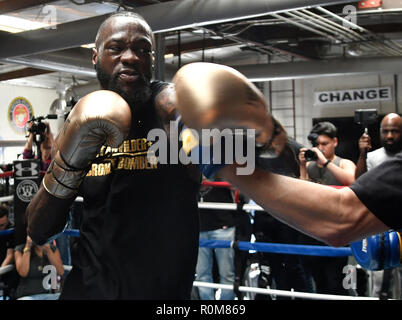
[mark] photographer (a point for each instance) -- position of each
(46, 144)
(41, 135)
(324, 166)
(321, 165)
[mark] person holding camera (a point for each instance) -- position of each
(46, 144)
(321, 165)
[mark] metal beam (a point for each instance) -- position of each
(8, 6)
(261, 72)
(53, 66)
(162, 17)
(22, 73)
(317, 69)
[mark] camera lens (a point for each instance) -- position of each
(310, 155)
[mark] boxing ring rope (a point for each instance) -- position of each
(6, 198)
(246, 246)
(280, 248)
(283, 293)
(262, 247)
(7, 268)
(309, 250)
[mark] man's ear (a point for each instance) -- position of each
(336, 141)
(94, 57)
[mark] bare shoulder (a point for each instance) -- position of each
(166, 98)
(346, 163)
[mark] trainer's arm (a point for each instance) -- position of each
(335, 216)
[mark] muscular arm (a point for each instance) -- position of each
(335, 216)
(46, 215)
(101, 117)
(165, 103)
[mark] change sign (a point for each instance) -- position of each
(353, 96)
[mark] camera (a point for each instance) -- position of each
(365, 117)
(310, 155)
(38, 127)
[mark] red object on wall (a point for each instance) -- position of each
(370, 4)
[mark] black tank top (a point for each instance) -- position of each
(139, 230)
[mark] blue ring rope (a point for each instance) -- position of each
(307, 250)
(6, 232)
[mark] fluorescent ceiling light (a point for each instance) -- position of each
(89, 45)
(15, 25)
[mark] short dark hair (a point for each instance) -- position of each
(3, 210)
(325, 128)
(119, 14)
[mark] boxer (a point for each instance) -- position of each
(139, 229)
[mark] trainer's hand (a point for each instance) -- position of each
(215, 96)
(101, 117)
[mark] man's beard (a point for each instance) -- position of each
(395, 147)
(136, 98)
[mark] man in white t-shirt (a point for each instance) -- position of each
(390, 136)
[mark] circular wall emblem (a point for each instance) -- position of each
(19, 113)
(26, 189)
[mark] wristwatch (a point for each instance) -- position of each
(326, 163)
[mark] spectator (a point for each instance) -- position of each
(9, 280)
(6, 244)
(45, 146)
(30, 261)
(390, 137)
(216, 224)
(62, 241)
(286, 271)
(329, 169)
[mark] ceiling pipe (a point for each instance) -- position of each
(270, 72)
(52, 66)
(182, 14)
(317, 69)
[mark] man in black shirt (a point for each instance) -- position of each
(139, 229)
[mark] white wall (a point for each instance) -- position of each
(305, 110)
(40, 99)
